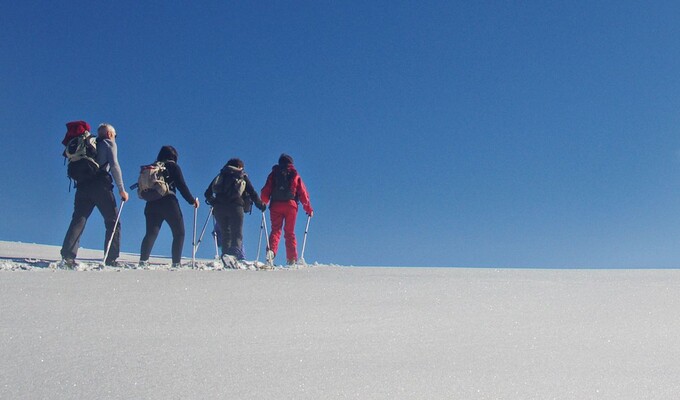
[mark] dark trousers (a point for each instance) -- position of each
(230, 220)
(164, 209)
(97, 193)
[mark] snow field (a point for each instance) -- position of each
(339, 332)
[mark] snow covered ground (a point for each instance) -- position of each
(328, 332)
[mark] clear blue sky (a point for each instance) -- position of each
(436, 133)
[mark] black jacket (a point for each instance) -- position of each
(224, 200)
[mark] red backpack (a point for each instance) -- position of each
(80, 151)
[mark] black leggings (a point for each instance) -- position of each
(164, 209)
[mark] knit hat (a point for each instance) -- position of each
(75, 129)
(285, 160)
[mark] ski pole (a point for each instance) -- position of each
(217, 251)
(193, 242)
(113, 232)
(259, 242)
(200, 238)
(266, 235)
(304, 240)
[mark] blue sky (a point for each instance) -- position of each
(436, 133)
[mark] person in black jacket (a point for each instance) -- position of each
(167, 209)
(227, 194)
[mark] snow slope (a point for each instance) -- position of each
(27, 256)
(17, 255)
(337, 333)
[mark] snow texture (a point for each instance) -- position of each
(328, 332)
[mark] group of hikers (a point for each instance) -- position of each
(93, 166)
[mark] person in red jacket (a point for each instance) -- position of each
(284, 188)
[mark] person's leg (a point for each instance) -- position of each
(222, 219)
(82, 209)
(289, 234)
(176, 222)
(154, 220)
(106, 204)
(276, 213)
(236, 233)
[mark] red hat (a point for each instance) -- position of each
(75, 129)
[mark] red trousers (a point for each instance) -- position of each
(283, 215)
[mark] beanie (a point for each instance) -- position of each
(285, 160)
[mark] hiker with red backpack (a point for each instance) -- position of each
(94, 171)
(285, 188)
(164, 206)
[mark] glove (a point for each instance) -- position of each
(209, 201)
(310, 213)
(262, 207)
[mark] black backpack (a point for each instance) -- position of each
(228, 185)
(282, 190)
(81, 153)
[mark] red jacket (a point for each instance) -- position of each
(297, 188)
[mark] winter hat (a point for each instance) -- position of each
(285, 160)
(75, 129)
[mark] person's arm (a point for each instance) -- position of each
(181, 185)
(266, 191)
(253, 194)
(209, 194)
(303, 196)
(111, 157)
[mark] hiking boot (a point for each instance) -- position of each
(291, 261)
(113, 263)
(143, 264)
(176, 265)
(68, 263)
(229, 261)
(270, 257)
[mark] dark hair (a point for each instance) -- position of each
(235, 162)
(167, 153)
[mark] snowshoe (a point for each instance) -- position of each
(229, 261)
(68, 263)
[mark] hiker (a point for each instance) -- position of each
(284, 187)
(232, 194)
(96, 192)
(166, 208)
